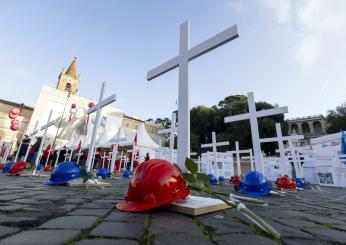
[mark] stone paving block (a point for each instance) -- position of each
(48, 197)
(70, 222)
(324, 220)
(13, 207)
(244, 239)
(38, 237)
(181, 239)
(328, 234)
(65, 208)
(119, 229)
(106, 242)
(289, 232)
(302, 242)
(19, 221)
(127, 217)
(297, 223)
(215, 224)
(90, 212)
(75, 200)
(97, 205)
(30, 201)
(164, 225)
(5, 230)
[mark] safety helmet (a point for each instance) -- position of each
(7, 167)
(17, 167)
(103, 172)
(212, 179)
(2, 165)
(221, 179)
(39, 167)
(48, 168)
(127, 173)
(64, 172)
(254, 184)
(236, 182)
(285, 182)
(154, 183)
(301, 183)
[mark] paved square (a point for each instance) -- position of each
(34, 213)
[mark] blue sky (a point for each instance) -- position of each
(289, 52)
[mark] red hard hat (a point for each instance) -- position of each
(285, 182)
(48, 168)
(154, 183)
(2, 165)
(17, 167)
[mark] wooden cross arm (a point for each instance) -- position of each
(33, 133)
(262, 113)
(167, 130)
(217, 144)
(51, 123)
(103, 103)
(212, 43)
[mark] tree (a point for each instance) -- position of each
(336, 119)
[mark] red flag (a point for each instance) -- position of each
(135, 140)
(79, 146)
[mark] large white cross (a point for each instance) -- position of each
(98, 108)
(280, 139)
(187, 54)
(237, 153)
(252, 116)
(45, 128)
(214, 145)
(172, 130)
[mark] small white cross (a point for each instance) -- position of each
(172, 130)
(237, 153)
(252, 116)
(214, 145)
(280, 139)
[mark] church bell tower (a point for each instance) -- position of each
(68, 79)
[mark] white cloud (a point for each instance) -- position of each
(21, 73)
(237, 6)
(280, 10)
(318, 25)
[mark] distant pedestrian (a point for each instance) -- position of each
(147, 157)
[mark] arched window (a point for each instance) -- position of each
(305, 128)
(68, 87)
(294, 128)
(317, 127)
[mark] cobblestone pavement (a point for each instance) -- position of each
(34, 213)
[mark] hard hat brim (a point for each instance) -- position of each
(129, 206)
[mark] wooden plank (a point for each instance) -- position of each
(195, 205)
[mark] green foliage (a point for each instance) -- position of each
(85, 175)
(336, 119)
(196, 181)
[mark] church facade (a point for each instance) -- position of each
(61, 100)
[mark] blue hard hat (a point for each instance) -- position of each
(301, 183)
(7, 167)
(212, 179)
(39, 167)
(221, 179)
(103, 172)
(64, 172)
(127, 173)
(254, 184)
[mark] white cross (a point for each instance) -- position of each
(187, 54)
(115, 148)
(253, 115)
(20, 145)
(172, 130)
(98, 108)
(237, 153)
(79, 154)
(296, 158)
(252, 159)
(45, 127)
(66, 154)
(214, 145)
(104, 157)
(280, 139)
(33, 133)
(49, 151)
